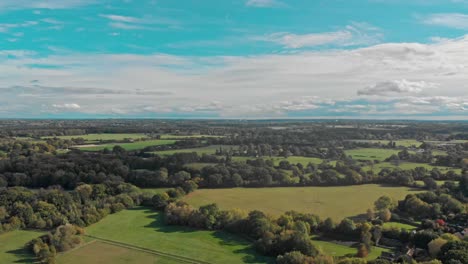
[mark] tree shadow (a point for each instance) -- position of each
(224, 238)
(23, 255)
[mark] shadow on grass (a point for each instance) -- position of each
(223, 238)
(23, 255)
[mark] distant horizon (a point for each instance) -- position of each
(248, 59)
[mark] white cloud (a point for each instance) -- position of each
(49, 4)
(118, 18)
(250, 86)
(396, 87)
(72, 106)
(352, 35)
(264, 3)
(452, 20)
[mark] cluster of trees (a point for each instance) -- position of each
(430, 205)
(49, 208)
(63, 238)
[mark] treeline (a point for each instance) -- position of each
(49, 208)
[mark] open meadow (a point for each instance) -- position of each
(128, 146)
(144, 228)
(12, 246)
(371, 153)
(338, 250)
(200, 151)
(105, 136)
(335, 202)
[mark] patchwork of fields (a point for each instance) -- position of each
(12, 246)
(145, 229)
(371, 153)
(335, 202)
(128, 146)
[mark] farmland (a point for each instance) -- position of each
(409, 166)
(144, 228)
(371, 153)
(398, 143)
(12, 248)
(338, 250)
(334, 202)
(98, 252)
(128, 146)
(105, 136)
(168, 136)
(202, 150)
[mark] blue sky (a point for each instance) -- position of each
(234, 59)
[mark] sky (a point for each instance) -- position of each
(253, 59)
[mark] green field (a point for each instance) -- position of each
(409, 166)
(292, 160)
(439, 183)
(334, 202)
(128, 146)
(399, 143)
(338, 250)
(12, 248)
(104, 136)
(371, 153)
(98, 252)
(202, 150)
(390, 225)
(168, 136)
(145, 228)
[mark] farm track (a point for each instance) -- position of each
(151, 251)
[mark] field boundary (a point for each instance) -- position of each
(150, 251)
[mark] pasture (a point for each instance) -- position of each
(12, 246)
(291, 159)
(339, 250)
(128, 146)
(371, 153)
(168, 136)
(409, 166)
(105, 136)
(98, 252)
(200, 151)
(398, 143)
(145, 228)
(335, 202)
(390, 225)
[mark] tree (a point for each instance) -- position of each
(384, 202)
(362, 251)
(435, 245)
(370, 214)
(454, 252)
(294, 257)
(385, 215)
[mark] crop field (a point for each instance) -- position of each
(12, 248)
(144, 228)
(339, 250)
(202, 150)
(335, 202)
(371, 153)
(128, 146)
(104, 136)
(398, 143)
(98, 252)
(168, 136)
(409, 166)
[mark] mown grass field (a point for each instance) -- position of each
(202, 150)
(145, 228)
(292, 160)
(409, 166)
(12, 248)
(390, 225)
(105, 136)
(402, 143)
(98, 252)
(335, 202)
(168, 136)
(129, 146)
(371, 153)
(338, 250)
